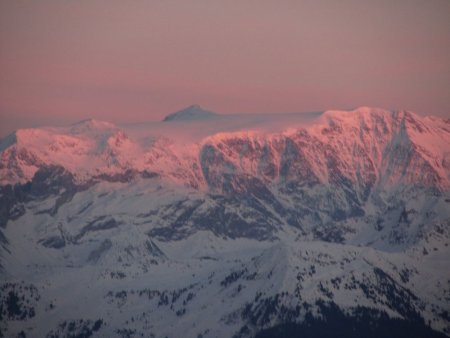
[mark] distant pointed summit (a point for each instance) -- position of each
(191, 113)
(91, 125)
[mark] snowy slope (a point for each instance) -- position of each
(221, 226)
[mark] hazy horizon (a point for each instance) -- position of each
(62, 62)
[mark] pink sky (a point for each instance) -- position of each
(129, 61)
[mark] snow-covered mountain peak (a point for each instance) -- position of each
(358, 116)
(383, 123)
(366, 113)
(91, 125)
(262, 146)
(191, 113)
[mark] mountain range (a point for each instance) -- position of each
(322, 224)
